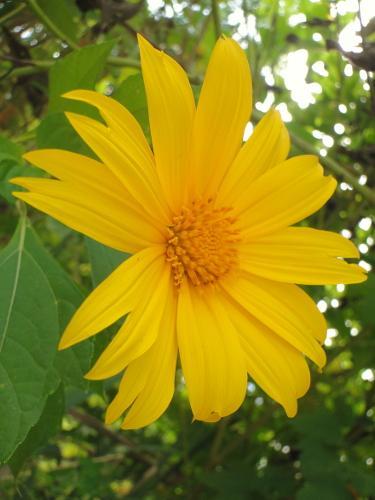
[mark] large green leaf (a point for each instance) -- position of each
(47, 426)
(56, 132)
(103, 260)
(72, 363)
(28, 337)
(78, 70)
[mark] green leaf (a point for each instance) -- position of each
(327, 489)
(9, 149)
(60, 17)
(78, 70)
(72, 363)
(28, 337)
(131, 93)
(103, 260)
(55, 131)
(47, 426)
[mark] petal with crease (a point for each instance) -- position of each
(76, 168)
(171, 110)
(284, 309)
(140, 329)
(223, 110)
(121, 158)
(159, 387)
(268, 146)
(122, 122)
(116, 296)
(302, 255)
(148, 382)
(277, 367)
(283, 196)
(211, 358)
(134, 230)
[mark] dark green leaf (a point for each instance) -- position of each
(72, 363)
(47, 426)
(131, 93)
(103, 260)
(28, 337)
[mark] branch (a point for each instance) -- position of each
(12, 13)
(96, 424)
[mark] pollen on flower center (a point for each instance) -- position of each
(201, 243)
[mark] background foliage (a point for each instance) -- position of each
(52, 441)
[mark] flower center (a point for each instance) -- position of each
(201, 244)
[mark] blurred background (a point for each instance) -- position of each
(312, 60)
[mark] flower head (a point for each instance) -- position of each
(216, 259)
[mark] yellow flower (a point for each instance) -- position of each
(215, 266)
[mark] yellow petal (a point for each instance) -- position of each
(121, 157)
(148, 381)
(135, 232)
(277, 367)
(223, 110)
(123, 123)
(78, 169)
(171, 110)
(80, 219)
(211, 358)
(131, 385)
(159, 387)
(267, 146)
(283, 196)
(283, 308)
(140, 329)
(302, 255)
(114, 297)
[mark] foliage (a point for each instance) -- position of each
(53, 443)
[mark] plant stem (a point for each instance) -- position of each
(216, 17)
(124, 61)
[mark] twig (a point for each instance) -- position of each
(96, 424)
(334, 167)
(26, 62)
(329, 163)
(12, 13)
